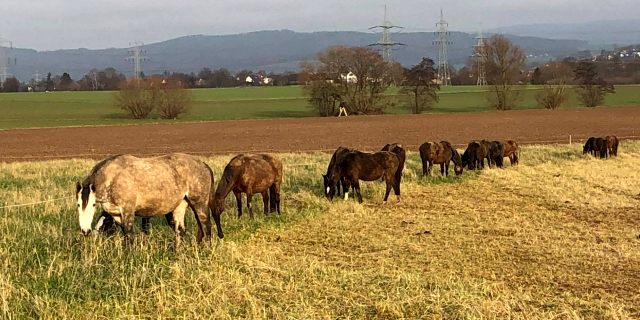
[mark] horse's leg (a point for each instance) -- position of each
(127, 218)
(265, 201)
(204, 222)
(169, 217)
(178, 215)
(145, 225)
(442, 169)
(276, 194)
(249, 198)
(346, 187)
(272, 198)
(429, 165)
(446, 168)
(239, 202)
(356, 186)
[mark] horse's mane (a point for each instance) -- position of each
(226, 181)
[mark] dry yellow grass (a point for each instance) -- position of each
(553, 238)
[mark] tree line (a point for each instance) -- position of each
(109, 79)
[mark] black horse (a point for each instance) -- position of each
(494, 155)
(356, 166)
(106, 225)
(601, 148)
(336, 158)
(590, 146)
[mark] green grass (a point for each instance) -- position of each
(552, 238)
(61, 109)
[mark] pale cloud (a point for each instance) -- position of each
(55, 24)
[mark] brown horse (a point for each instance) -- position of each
(612, 145)
(510, 150)
(356, 166)
(601, 148)
(399, 151)
(440, 153)
(474, 155)
(260, 173)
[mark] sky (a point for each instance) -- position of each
(70, 24)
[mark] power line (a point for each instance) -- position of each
(136, 57)
(444, 74)
(5, 61)
(386, 43)
(480, 56)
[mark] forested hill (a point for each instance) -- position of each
(276, 51)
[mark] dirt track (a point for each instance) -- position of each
(318, 134)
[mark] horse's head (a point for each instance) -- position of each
(218, 205)
(329, 188)
(86, 204)
(458, 168)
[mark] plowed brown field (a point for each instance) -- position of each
(318, 134)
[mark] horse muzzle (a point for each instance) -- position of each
(86, 232)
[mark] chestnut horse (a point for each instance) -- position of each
(440, 153)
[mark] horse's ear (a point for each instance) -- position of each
(78, 187)
(93, 188)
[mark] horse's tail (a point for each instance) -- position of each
(424, 157)
(516, 152)
(272, 197)
(401, 154)
(212, 191)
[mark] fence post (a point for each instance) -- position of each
(569, 139)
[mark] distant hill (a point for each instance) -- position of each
(276, 51)
(599, 34)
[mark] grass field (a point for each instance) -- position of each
(60, 109)
(552, 238)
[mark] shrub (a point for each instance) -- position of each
(553, 95)
(136, 97)
(174, 100)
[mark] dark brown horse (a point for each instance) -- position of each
(495, 151)
(510, 150)
(260, 173)
(474, 155)
(612, 145)
(440, 153)
(601, 148)
(399, 151)
(336, 158)
(356, 166)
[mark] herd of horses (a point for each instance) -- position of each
(127, 186)
(601, 147)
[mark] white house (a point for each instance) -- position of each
(350, 77)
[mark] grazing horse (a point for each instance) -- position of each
(259, 173)
(601, 148)
(496, 150)
(590, 146)
(336, 158)
(356, 166)
(440, 153)
(398, 150)
(129, 186)
(612, 145)
(510, 150)
(474, 155)
(106, 224)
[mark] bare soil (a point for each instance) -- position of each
(318, 134)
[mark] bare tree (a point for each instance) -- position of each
(355, 76)
(554, 94)
(420, 87)
(592, 89)
(504, 64)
